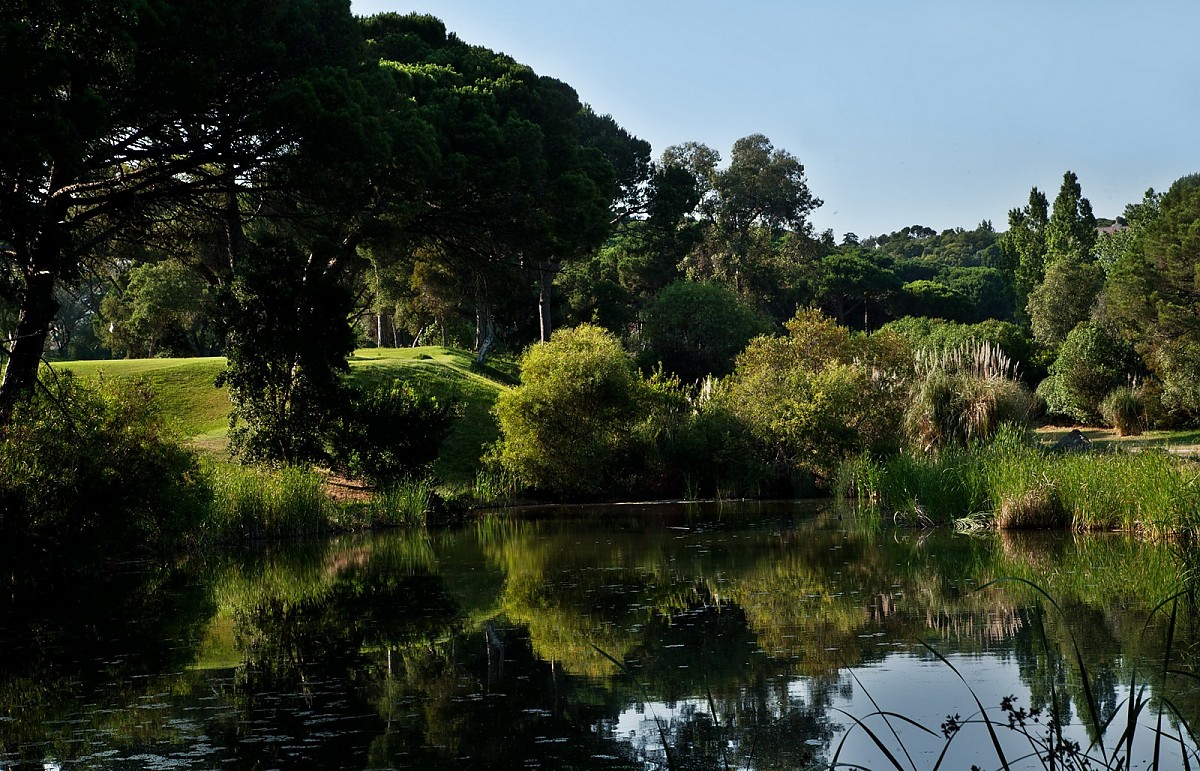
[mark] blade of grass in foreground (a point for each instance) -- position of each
(991, 729)
(1093, 707)
(662, 731)
(883, 714)
(875, 738)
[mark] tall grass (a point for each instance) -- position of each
(494, 488)
(1019, 484)
(963, 395)
(1125, 410)
(251, 503)
(404, 503)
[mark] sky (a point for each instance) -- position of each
(942, 113)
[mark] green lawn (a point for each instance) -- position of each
(1184, 442)
(200, 411)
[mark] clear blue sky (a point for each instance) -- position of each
(934, 112)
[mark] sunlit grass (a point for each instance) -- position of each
(199, 410)
(253, 503)
(1022, 485)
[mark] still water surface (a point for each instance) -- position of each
(736, 636)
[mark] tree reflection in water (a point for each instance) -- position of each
(729, 635)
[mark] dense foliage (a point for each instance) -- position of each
(569, 427)
(695, 329)
(281, 183)
(95, 469)
(389, 431)
(819, 395)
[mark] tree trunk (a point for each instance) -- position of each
(546, 281)
(485, 331)
(38, 307)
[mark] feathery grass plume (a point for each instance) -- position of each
(982, 359)
(964, 394)
(1125, 410)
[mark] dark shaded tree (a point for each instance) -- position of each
(126, 109)
(694, 329)
(1152, 291)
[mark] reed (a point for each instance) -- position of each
(1021, 485)
(494, 488)
(1040, 738)
(251, 503)
(402, 504)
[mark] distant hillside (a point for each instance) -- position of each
(200, 411)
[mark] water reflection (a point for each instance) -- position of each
(607, 638)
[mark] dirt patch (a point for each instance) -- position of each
(345, 490)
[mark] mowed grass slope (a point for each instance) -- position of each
(199, 411)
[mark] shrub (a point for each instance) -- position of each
(703, 448)
(819, 395)
(1124, 410)
(1092, 362)
(95, 467)
(965, 394)
(568, 428)
(386, 432)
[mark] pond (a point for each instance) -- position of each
(756, 636)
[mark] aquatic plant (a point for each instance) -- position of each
(406, 502)
(1023, 485)
(1039, 732)
(253, 503)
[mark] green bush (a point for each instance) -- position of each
(94, 467)
(569, 427)
(693, 445)
(696, 328)
(1125, 410)
(387, 432)
(819, 395)
(1092, 362)
(965, 394)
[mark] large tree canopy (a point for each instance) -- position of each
(528, 176)
(128, 109)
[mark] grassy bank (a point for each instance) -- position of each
(199, 412)
(250, 504)
(1014, 482)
